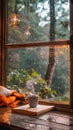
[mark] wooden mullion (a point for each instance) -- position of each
(0, 40)
(71, 54)
(3, 35)
(37, 44)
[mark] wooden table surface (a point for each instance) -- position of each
(49, 121)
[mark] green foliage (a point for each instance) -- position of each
(46, 93)
(61, 78)
(18, 79)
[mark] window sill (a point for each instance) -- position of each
(59, 106)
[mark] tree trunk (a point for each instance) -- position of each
(51, 59)
(51, 67)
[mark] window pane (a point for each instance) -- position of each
(30, 21)
(62, 13)
(43, 70)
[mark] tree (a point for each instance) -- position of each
(51, 61)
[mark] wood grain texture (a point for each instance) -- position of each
(26, 110)
(51, 120)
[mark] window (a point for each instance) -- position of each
(37, 48)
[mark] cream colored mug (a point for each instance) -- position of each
(33, 100)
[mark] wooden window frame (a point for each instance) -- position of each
(4, 47)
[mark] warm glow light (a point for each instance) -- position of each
(15, 19)
(27, 32)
